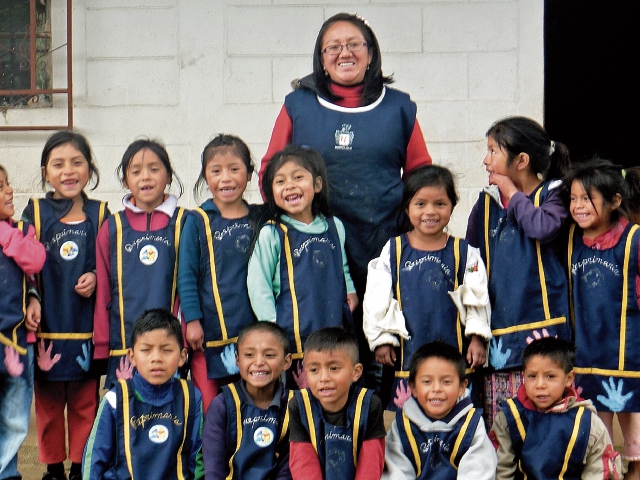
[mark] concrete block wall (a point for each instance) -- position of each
(184, 70)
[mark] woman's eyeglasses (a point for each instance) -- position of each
(336, 49)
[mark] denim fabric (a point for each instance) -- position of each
(15, 407)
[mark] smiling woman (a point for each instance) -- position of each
(367, 134)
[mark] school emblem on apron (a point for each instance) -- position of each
(263, 437)
(69, 250)
(148, 255)
(344, 137)
(158, 434)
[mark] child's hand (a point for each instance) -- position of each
(12, 362)
(45, 362)
(505, 185)
(476, 353)
(300, 376)
(86, 284)
(352, 301)
(32, 320)
(386, 355)
(195, 336)
(125, 369)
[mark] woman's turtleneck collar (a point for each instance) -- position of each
(351, 95)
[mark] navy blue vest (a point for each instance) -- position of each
(436, 455)
(548, 445)
(528, 286)
(154, 442)
(313, 293)
(337, 447)
(607, 321)
(255, 437)
(425, 279)
(67, 318)
(364, 150)
(143, 276)
(222, 288)
(13, 305)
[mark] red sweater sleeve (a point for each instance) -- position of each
(103, 294)
(371, 459)
(417, 153)
(304, 462)
(28, 253)
(280, 138)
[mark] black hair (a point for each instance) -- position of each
(266, 327)
(222, 143)
(330, 339)
(437, 349)
(310, 160)
(156, 147)
(81, 144)
(373, 81)
(426, 176)
(516, 135)
(632, 177)
(604, 177)
(157, 319)
(559, 351)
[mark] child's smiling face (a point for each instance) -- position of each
(6, 198)
(261, 360)
(437, 386)
(590, 210)
(293, 189)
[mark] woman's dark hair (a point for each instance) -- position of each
(156, 147)
(516, 135)
(373, 78)
(604, 177)
(222, 143)
(310, 160)
(79, 142)
(426, 176)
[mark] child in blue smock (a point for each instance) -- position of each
(604, 254)
(298, 275)
(212, 267)
(426, 285)
(516, 223)
(67, 223)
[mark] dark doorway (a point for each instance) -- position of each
(591, 93)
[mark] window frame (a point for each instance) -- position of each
(33, 90)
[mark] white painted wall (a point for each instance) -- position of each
(184, 70)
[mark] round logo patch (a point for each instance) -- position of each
(148, 255)
(158, 434)
(69, 250)
(263, 437)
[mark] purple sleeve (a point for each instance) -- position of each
(472, 227)
(214, 440)
(540, 223)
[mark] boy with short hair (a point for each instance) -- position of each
(438, 433)
(547, 430)
(245, 432)
(337, 428)
(148, 427)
